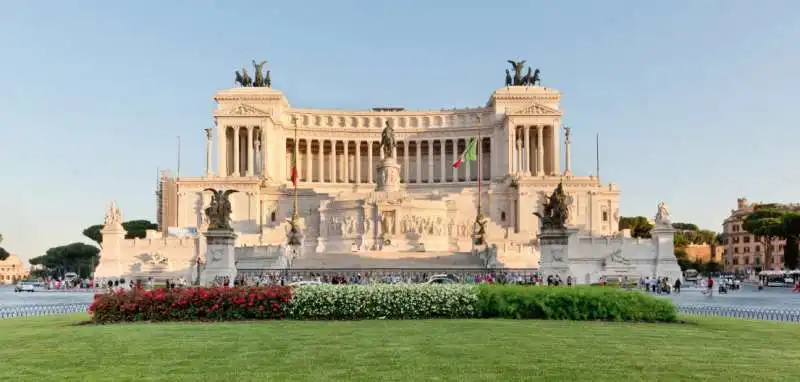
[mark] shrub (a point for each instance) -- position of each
(186, 304)
(572, 303)
(397, 301)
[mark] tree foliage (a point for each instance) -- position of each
(135, 229)
(771, 221)
(4, 254)
(638, 225)
(76, 257)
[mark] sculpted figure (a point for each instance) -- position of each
(258, 66)
(508, 78)
(219, 210)
(518, 66)
(662, 216)
(528, 79)
(388, 142)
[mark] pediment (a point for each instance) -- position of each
(536, 109)
(242, 110)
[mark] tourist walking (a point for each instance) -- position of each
(677, 286)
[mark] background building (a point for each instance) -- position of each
(12, 269)
(743, 251)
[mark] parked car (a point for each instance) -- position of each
(442, 279)
(302, 283)
(28, 286)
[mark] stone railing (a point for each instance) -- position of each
(41, 310)
(750, 313)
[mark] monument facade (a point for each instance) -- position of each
(378, 188)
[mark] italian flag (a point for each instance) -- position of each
(294, 169)
(469, 154)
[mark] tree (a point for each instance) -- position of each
(76, 257)
(638, 225)
(134, 228)
(791, 228)
(766, 223)
(3, 253)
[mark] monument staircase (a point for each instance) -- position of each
(389, 260)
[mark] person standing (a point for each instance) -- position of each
(710, 286)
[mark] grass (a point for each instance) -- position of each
(55, 348)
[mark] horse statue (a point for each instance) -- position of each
(536, 80)
(556, 209)
(243, 78)
(528, 78)
(508, 78)
(267, 80)
(518, 67)
(219, 210)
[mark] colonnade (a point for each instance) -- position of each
(329, 160)
(534, 150)
(246, 141)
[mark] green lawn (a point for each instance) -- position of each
(55, 348)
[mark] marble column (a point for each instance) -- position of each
(265, 171)
(346, 160)
(528, 151)
(405, 162)
(455, 158)
(222, 150)
(540, 150)
(358, 162)
(334, 163)
(321, 160)
(442, 157)
(208, 152)
(567, 151)
(236, 152)
(250, 150)
(308, 172)
(369, 162)
(555, 146)
(418, 148)
(518, 159)
(430, 161)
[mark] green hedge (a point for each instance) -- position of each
(572, 303)
(402, 301)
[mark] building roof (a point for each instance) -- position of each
(11, 260)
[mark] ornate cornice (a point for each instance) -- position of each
(241, 110)
(535, 110)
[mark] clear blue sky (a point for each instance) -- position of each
(695, 101)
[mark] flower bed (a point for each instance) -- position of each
(184, 304)
(395, 301)
(398, 301)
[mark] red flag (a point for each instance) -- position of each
(294, 175)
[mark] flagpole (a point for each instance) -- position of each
(480, 162)
(294, 166)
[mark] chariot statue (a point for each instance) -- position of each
(243, 78)
(262, 78)
(518, 67)
(219, 210)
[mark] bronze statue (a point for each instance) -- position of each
(528, 78)
(518, 66)
(295, 228)
(536, 80)
(243, 78)
(267, 80)
(479, 229)
(219, 210)
(556, 209)
(508, 78)
(388, 142)
(259, 81)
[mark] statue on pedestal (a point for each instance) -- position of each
(295, 235)
(556, 209)
(663, 218)
(243, 78)
(219, 210)
(388, 141)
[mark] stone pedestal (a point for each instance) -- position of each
(220, 258)
(388, 175)
(554, 246)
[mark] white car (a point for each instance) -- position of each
(28, 286)
(302, 283)
(441, 279)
